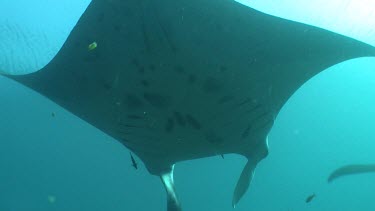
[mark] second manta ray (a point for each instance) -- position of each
(179, 80)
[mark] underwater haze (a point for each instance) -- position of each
(51, 160)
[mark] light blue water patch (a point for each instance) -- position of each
(32, 32)
(327, 123)
(351, 18)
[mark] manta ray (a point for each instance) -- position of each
(180, 80)
(351, 170)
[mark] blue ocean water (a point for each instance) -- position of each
(51, 160)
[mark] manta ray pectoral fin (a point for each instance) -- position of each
(350, 170)
(248, 172)
(173, 204)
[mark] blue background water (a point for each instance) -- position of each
(329, 122)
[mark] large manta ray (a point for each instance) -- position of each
(175, 80)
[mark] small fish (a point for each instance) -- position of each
(134, 163)
(53, 114)
(92, 46)
(222, 156)
(310, 198)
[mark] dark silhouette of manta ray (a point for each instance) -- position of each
(351, 170)
(179, 80)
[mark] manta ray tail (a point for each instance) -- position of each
(173, 204)
(248, 172)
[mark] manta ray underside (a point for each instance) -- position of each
(179, 80)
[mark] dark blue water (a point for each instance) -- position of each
(51, 160)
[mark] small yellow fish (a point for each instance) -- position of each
(92, 46)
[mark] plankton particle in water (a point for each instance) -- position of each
(51, 199)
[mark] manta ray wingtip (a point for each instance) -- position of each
(350, 170)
